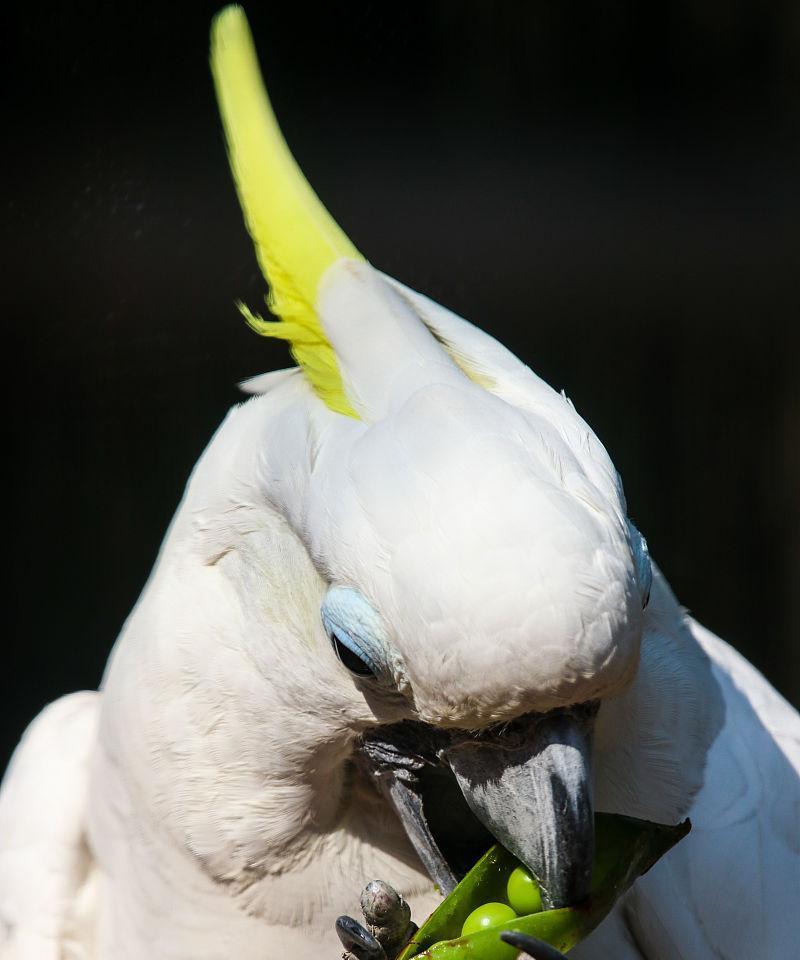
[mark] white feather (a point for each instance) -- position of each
(222, 816)
(47, 877)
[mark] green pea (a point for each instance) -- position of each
(487, 915)
(523, 892)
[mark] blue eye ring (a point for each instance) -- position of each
(641, 557)
(356, 632)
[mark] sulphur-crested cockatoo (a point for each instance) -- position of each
(401, 607)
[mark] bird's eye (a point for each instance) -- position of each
(349, 659)
(355, 631)
(646, 598)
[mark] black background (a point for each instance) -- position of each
(612, 189)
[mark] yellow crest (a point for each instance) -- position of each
(295, 237)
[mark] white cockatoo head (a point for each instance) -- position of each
(504, 580)
(483, 587)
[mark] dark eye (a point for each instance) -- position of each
(646, 599)
(350, 660)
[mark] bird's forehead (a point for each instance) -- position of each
(452, 443)
(462, 466)
(466, 505)
(462, 524)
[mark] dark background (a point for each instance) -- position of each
(612, 189)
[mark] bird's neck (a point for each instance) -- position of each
(212, 755)
(267, 822)
(652, 740)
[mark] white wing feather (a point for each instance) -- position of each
(732, 888)
(46, 871)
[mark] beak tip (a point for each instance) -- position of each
(535, 796)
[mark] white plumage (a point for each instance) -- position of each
(206, 803)
(213, 812)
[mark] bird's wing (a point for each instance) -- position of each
(732, 888)
(45, 866)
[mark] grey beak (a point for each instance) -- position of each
(530, 785)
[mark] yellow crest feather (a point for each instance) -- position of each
(295, 237)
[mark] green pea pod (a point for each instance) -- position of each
(624, 850)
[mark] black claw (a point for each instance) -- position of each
(536, 949)
(358, 941)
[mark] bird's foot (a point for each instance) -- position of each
(388, 925)
(358, 942)
(389, 928)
